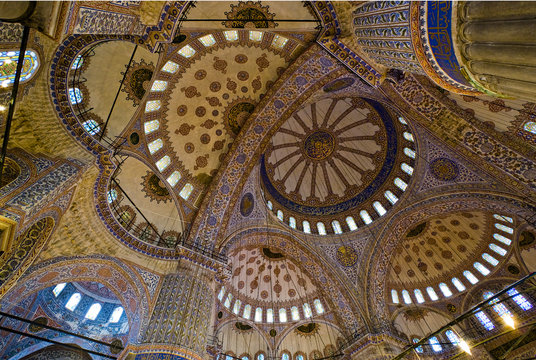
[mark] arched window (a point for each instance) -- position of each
(365, 216)
(295, 314)
(351, 223)
(163, 163)
(8, 66)
(502, 239)
(506, 229)
(231, 35)
(170, 67)
(285, 356)
(280, 215)
(93, 311)
(78, 61)
(258, 314)
(255, 35)
(236, 307)
(530, 126)
(155, 145)
(245, 357)
(520, 300)
(58, 289)
(406, 168)
(318, 306)
(401, 184)
(436, 346)
(247, 311)
(307, 312)
(500, 309)
(499, 250)
(431, 293)
(159, 85)
(174, 178)
(490, 259)
(221, 293)
(418, 348)
(402, 120)
(91, 126)
(458, 284)
(337, 229)
(321, 228)
(379, 208)
(151, 126)
(187, 51)
(116, 314)
(269, 205)
(270, 315)
(391, 197)
(469, 276)
(282, 315)
(112, 196)
(299, 357)
(279, 42)
(453, 338)
(445, 289)
(186, 191)
(394, 296)
(207, 40)
(484, 320)
(406, 297)
(260, 356)
(292, 222)
(408, 136)
(73, 301)
(409, 152)
(503, 218)
(306, 227)
(75, 95)
(418, 296)
(227, 302)
(481, 268)
(152, 105)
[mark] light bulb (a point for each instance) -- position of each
(508, 320)
(465, 346)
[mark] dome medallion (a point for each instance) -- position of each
(319, 145)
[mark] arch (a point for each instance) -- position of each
(127, 286)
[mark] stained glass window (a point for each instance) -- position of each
(409, 152)
(306, 227)
(502, 239)
(307, 312)
(504, 228)
(401, 184)
(8, 66)
(490, 259)
(520, 300)
(530, 126)
(282, 315)
(431, 293)
(365, 216)
(499, 308)
(484, 320)
(187, 51)
(247, 311)
(280, 215)
(227, 302)
(91, 126)
(111, 196)
(163, 163)
(152, 105)
(58, 289)
(116, 314)
(418, 296)
(155, 145)
(394, 296)
(458, 284)
(255, 35)
(270, 315)
(408, 136)
(469, 276)
(295, 313)
(207, 40)
(171, 67)
(503, 218)
(75, 95)
(321, 228)
(351, 223)
(499, 250)
(279, 41)
(406, 297)
(236, 306)
(221, 293)
(391, 197)
(299, 357)
(337, 229)
(186, 191)
(245, 357)
(260, 356)
(445, 289)
(402, 120)
(93, 311)
(258, 314)
(269, 204)
(453, 338)
(73, 301)
(436, 346)
(231, 35)
(292, 222)
(78, 61)
(406, 168)
(379, 208)
(418, 348)
(174, 178)
(481, 268)
(318, 306)
(151, 126)
(285, 356)
(159, 85)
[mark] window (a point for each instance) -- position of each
(294, 313)
(227, 302)
(499, 250)
(270, 315)
(481, 268)
(231, 35)
(299, 357)
(504, 228)
(394, 296)
(73, 301)
(503, 218)
(409, 152)
(171, 67)
(282, 315)
(520, 300)
(458, 284)
(255, 35)
(365, 216)
(236, 307)
(318, 306)
(406, 168)
(402, 120)
(406, 297)
(499, 308)
(379, 208)
(279, 41)
(418, 296)
(75, 95)
(292, 222)
(159, 85)
(163, 163)
(247, 311)
(174, 178)
(187, 51)
(418, 348)
(269, 204)
(78, 61)
(391, 197)
(258, 314)
(186, 191)
(484, 320)
(453, 338)
(469, 276)
(351, 223)
(530, 126)
(152, 105)
(58, 289)
(93, 311)
(280, 215)
(285, 356)
(155, 145)
(502, 239)
(260, 356)
(207, 40)
(401, 184)
(306, 227)
(337, 229)
(490, 259)
(116, 314)
(91, 126)
(307, 312)
(408, 136)
(111, 196)
(431, 293)
(321, 228)
(8, 66)
(445, 289)
(221, 293)
(151, 126)
(435, 344)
